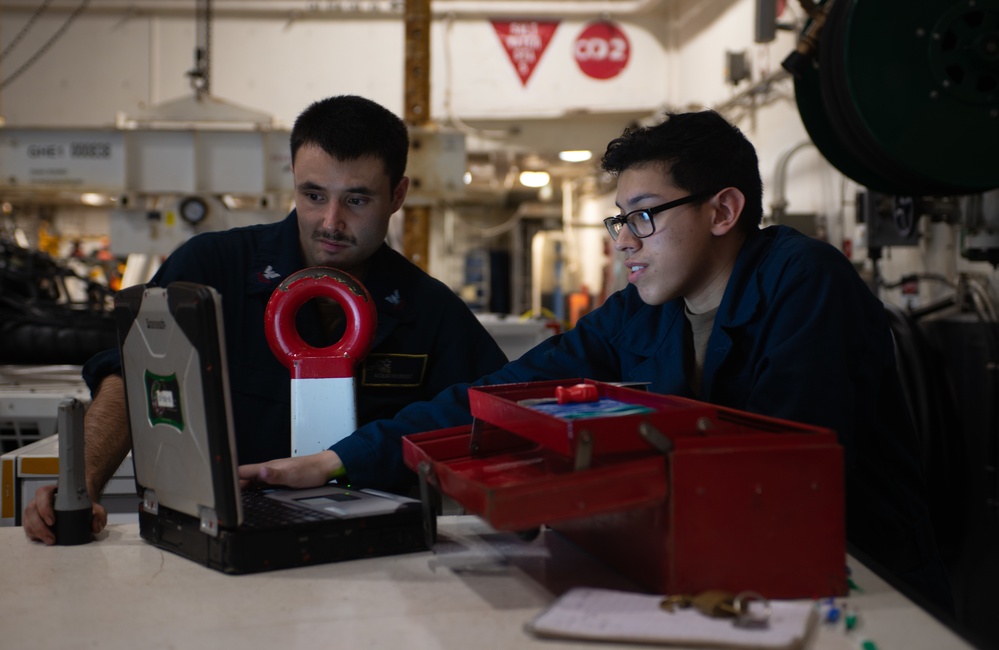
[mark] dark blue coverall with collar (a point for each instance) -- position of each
(798, 336)
(426, 339)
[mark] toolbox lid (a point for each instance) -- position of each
(620, 419)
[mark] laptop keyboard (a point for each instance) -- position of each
(260, 511)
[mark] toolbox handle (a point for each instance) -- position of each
(584, 451)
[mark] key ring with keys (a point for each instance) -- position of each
(748, 608)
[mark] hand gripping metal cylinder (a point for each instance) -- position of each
(73, 509)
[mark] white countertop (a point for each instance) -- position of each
(475, 591)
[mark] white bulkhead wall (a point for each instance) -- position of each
(107, 63)
(116, 58)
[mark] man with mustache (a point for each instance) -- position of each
(348, 161)
(763, 320)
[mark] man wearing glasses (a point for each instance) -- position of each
(763, 320)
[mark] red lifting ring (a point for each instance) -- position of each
(306, 361)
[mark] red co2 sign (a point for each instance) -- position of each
(602, 50)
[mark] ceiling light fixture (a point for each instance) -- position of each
(575, 155)
(94, 199)
(534, 179)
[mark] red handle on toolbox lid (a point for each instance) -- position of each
(576, 394)
(306, 361)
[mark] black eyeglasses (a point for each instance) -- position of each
(640, 222)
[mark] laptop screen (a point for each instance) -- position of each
(176, 384)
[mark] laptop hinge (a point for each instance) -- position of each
(149, 501)
(209, 521)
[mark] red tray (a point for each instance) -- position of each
(515, 484)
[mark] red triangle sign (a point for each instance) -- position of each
(525, 41)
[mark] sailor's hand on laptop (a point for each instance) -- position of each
(39, 516)
(298, 472)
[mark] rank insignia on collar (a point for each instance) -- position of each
(268, 275)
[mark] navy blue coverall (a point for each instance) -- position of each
(798, 335)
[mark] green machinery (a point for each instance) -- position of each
(902, 96)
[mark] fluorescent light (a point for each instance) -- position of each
(467, 178)
(92, 198)
(575, 155)
(534, 179)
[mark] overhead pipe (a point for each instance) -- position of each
(333, 9)
(549, 8)
(779, 205)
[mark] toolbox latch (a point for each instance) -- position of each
(475, 439)
(663, 444)
(584, 450)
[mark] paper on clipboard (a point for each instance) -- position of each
(606, 615)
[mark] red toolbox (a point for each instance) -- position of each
(679, 495)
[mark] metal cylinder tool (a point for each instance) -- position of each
(73, 509)
(323, 403)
